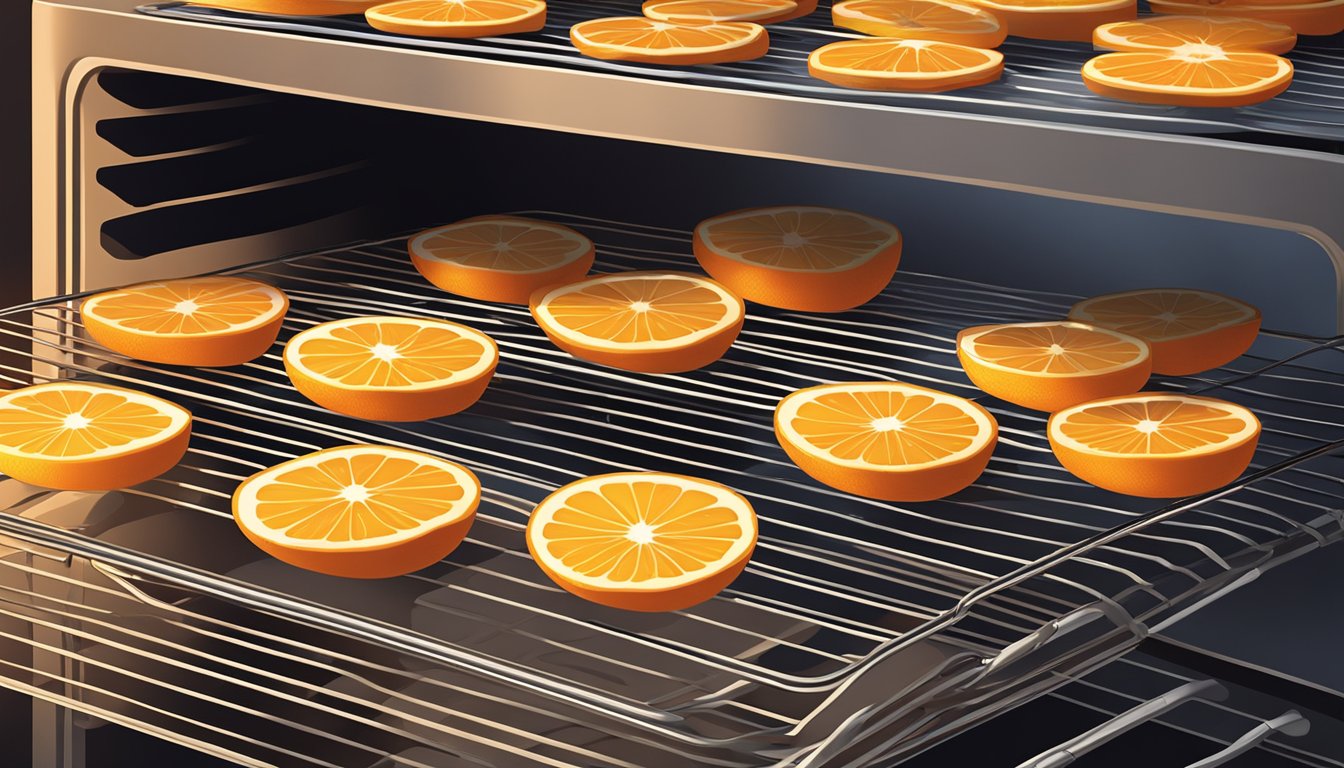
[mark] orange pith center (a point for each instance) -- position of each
(1160, 427)
(187, 306)
(356, 497)
(1192, 65)
(639, 310)
(885, 427)
(1165, 314)
(798, 240)
(390, 354)
(1054, 349)
(903, 56)
(510, 247)
(76, 422)
(634, 531)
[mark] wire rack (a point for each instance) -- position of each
(1040, 79)
(860, 629)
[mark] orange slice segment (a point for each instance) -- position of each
(292, 7)
(458, 18)
(1053, 365)
(361, 511)
(500, 258)
(635, 38)
(1167, 32)
(89, 437)
(921, 20)
(886, 440)
(643, 541)
(205, 321)
(1058, 19)
(893, 64)
(391, 368)
(1325, 18)
(1188, 331)
(1193, 75)
(653, 322)
(701, 11)
(1155, 445)
(799, 257)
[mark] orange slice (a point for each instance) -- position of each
(643, 541)
(205, 321)
(1325, 18)
(1049, 366)
(1188, 331)
(893, 64)
(500, 258)
(89, 437)
(701, 11)
(361, 511)
(921, 20)
(391, 368)
(653, 322)
(458, 18)
(799, 257)
(1058, 19)
(1167, 32)
(292, 7)
(886, 440)
(1154, 444)
(1193, 75)
(635, 38)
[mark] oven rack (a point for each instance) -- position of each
(997, 589)
(1041, 78)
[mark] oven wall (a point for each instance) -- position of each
(289, 174)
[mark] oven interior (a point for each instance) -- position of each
(862, 634)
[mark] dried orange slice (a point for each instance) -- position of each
(893, 64)
(89, 437)
(458, 18)
(1166, 32)
(205, 321)
(1053, 365)
(361, 511)
(1188, 331)
(1323, 18)
(1193, 75)
(1058, 19)
(799, 257)
(946, 22)
(391, 368)
(701, 11)
(635, 38)
(292, 7)
(653, 322)
(500, 258)
(886, 440)
(643, 541)
(1155, 444)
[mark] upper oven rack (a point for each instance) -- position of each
(1027, 572)
(1041, 78)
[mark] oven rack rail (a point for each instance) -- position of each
(1040, 80)
(843, 589)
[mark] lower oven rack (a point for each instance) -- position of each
(861, 628)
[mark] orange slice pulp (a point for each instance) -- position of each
(500, 258)
(1193, 75)
(636, 38)
(1168, 32)
(1188, 331)
(895, 64)
(1058, 19)
(947, 22)
(1154, 444)
(362, 511)
(702, 11)
(458, 18)
(799, 257)
(643, 541)
(1315, 18)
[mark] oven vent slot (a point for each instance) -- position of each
(150, 90)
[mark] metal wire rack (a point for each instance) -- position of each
(860, 629)
(1040, 80)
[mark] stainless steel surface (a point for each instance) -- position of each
(861, 629)
(1277, 187)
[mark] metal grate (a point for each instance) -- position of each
(1040, 80)
(845, 601)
